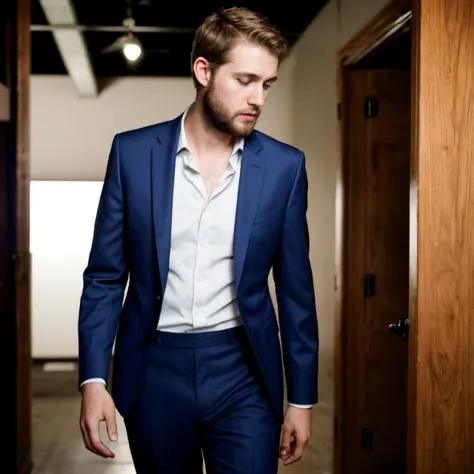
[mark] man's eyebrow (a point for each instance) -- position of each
(251, 75)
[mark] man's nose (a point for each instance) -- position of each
(257, 99)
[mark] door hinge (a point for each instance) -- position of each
(367, 440)
(371, 107)
(339, 111)
(335, 428)
(369, 285)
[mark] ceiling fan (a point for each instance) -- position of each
(128, 43)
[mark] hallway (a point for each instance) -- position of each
(57, 442)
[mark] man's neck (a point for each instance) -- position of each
(203, 138)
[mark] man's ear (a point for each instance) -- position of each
(202, 71)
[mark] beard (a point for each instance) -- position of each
(221, 119)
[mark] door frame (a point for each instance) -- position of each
(15, 288)
(386, 23)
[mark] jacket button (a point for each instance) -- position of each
(158, 297)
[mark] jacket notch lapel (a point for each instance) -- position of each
(163, 164)
(250, 186)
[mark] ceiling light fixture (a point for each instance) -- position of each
(132, 50)
(131, 47)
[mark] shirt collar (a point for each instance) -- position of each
(183, 145)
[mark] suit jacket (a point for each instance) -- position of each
(131, 242)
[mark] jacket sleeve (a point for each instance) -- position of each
(105, 277)
(294, 288)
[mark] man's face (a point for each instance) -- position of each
(236, 92)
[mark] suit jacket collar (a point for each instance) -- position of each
(171, 131)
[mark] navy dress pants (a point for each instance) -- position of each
(203, 396)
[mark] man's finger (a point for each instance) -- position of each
(85, 436)
(111, 421)
(286, 440)
(98, 447)
(297, 453)
(299, 448)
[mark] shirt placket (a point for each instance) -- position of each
(203, 243)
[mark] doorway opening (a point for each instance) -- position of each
(372, 363)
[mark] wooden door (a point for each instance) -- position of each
(377, 112)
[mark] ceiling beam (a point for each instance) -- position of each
(72, 46)
(115, 29)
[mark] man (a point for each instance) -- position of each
(194, 214)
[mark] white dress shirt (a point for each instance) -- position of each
(200, 290)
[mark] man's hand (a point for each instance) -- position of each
(97, 405)
(296, 433)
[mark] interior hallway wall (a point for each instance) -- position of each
(71, 137)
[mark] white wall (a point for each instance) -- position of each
(61, 226)
(70, 140)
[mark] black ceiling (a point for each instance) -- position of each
(166, 54)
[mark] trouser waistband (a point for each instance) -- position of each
(200, 339)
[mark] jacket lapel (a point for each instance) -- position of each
(163, 164)
(250, 185)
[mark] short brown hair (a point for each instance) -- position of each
(219, 31)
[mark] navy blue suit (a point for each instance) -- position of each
(132, 240)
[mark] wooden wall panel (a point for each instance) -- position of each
(15, 350)
(21, 100)
(442, 392)
(3, 219)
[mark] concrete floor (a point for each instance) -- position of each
(58, 447)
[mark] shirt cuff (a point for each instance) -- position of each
(300, 406)
(93, 380)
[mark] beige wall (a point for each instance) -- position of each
(4, 103)
(354, 14)
(314, 131)
(70, 138)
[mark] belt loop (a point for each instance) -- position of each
(158, 337)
